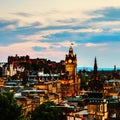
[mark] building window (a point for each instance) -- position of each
(101, 108)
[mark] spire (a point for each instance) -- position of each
(95, 65)
(114, 68)
(95, 84)
(95, 70)
(71, 49)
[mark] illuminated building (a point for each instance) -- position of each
(70, 84)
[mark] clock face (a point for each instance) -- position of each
(70, 61)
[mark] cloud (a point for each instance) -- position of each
(107, 24)
(95, 45)
(105, 19)
(67, 43)
(23, 14)
(58, 26)
(115, 30)
(37, 48)
(41, 35)
(91, 29)
(8, 24)
(44, 50)
(106, 14)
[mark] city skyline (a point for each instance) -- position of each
(46, 29)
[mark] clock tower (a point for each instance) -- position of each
(70, 85)
(71, 64)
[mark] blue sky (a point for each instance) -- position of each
(46, 29)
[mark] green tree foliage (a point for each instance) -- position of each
(85, 77)
(35, 66)
(48, 111)
(9, 109)
(25, 77)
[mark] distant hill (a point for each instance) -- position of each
(99, 69)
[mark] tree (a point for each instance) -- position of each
(25, 77)
(48, 111)
(9, 109)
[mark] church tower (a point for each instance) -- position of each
(97, 104)
(95, 72)
(95, 84)
(71, 64)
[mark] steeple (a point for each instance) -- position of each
(95, 66)
(95, 76)
(95, 84)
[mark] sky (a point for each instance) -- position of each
(46, 29)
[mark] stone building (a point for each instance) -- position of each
(70, 83)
